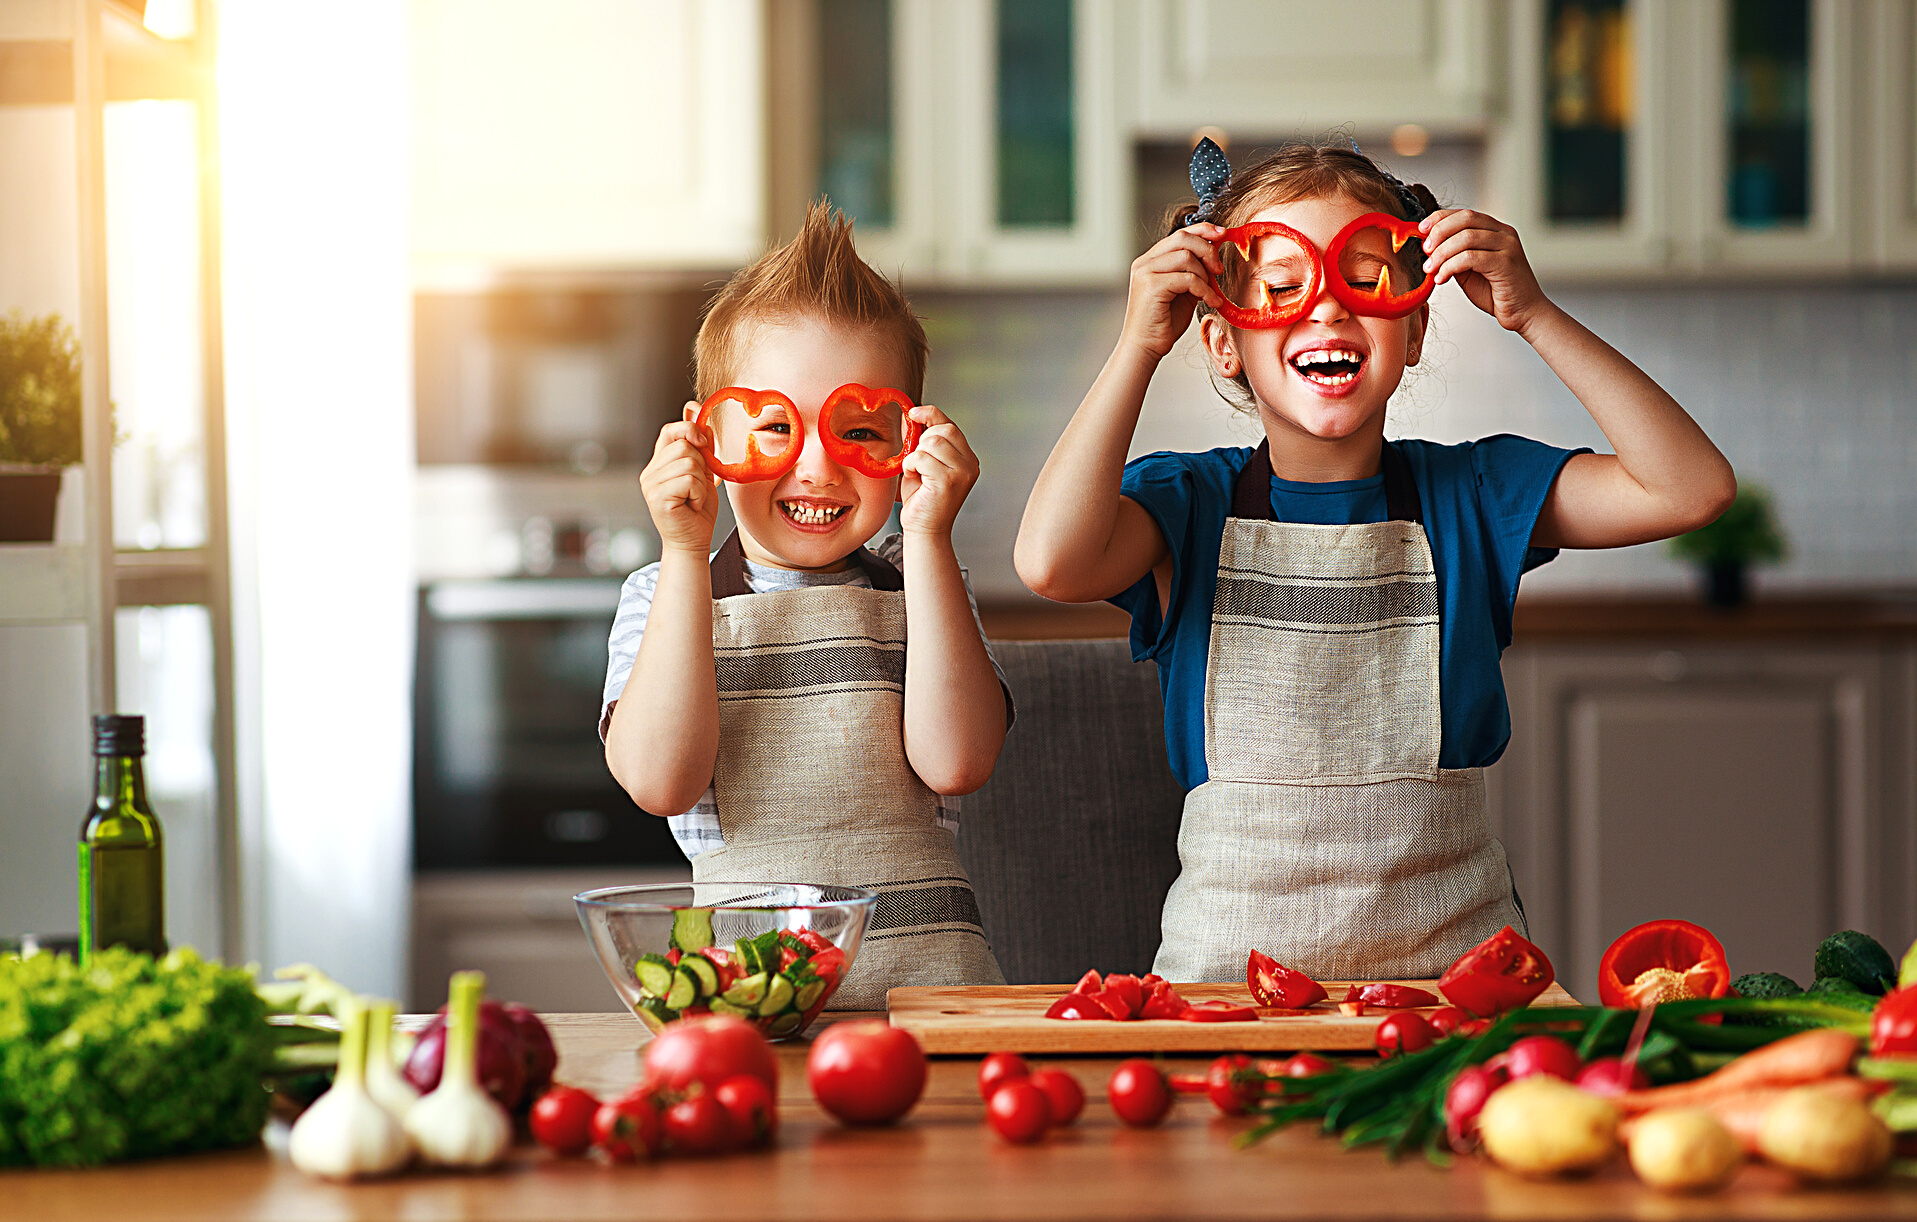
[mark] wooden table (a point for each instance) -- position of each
(942, 1163)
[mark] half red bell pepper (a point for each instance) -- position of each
(1503, 972)
(854, 397)
(1662, 961)
(756, 465)
(1273, 984)
(1378, 301)
(1270, 313)
(1389, 996)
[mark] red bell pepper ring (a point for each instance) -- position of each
(1662, 961)
(1389, 996)
(1502, 973)
(756, 465)
(1378, 301)
(1270, 313)
(1273, 984)
(1219, 1012)
(851, 453)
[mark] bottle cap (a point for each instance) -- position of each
(117, 735)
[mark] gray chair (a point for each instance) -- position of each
(1073, 843)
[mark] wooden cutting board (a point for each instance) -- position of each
(1011, 1018)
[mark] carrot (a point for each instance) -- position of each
(1743, 1111)
(1791, 1061)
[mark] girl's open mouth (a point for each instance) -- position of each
(812, 513)
(1332, 368)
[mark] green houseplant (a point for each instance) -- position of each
(39, 421)
(1745, 534)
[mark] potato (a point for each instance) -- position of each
(1683, 1149)
(1543, 1125)
(1824, 1136)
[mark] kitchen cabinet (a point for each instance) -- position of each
(1272, 67)
(573, 134)
(974, 142)
(1759, 788)
(1891, 134)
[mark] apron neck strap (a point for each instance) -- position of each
(729, 571)
(1251, 494)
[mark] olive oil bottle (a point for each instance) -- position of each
(122, 886)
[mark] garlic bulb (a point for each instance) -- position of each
(459, 1124)
(384, 1082)
(346, 1134)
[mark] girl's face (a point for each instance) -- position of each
(1330, 374)
(819, 512)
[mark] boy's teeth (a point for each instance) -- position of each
(811, 515)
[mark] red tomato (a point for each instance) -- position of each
(1219, 1012)
(1447, 1019)
(1164, 1002)
(1404, 1031)
(1127, 990)
(562, 1120)
(1062, 1092)
(816, 940)
(1605, 1076)
(1542, 1054)
(698, 1124)
(1019, 1111)
(1229, 1094)
(1274, 984)
(751, 1107)
(1138, 1093)
(1090, 982)
(1390, 996)
(866, 1072)
(1077, 1005)
(1306, 1065)
(1893, 1027)
(627, 1129)
(707, 1051)
(1149, 979)
(998, 1069)
(1503, 972)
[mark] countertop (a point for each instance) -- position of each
(941, 1163)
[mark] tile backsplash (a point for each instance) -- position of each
(1810, 391)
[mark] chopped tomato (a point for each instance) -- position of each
(1164, 1002)
(1274, 984)
(1090, 982)
(1504, 972)
(816, 940)
(1390, 996)
(1128, 990)
(1077, 1005)
(1219, 1012)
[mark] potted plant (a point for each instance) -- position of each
(1743, 535)
(39, 422)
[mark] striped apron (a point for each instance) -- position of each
(1326, 834)
(812, 783)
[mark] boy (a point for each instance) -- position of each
(767, 691)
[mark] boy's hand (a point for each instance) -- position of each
(1485, 257)
(1168, 281)
(936, 477)
(681, 492)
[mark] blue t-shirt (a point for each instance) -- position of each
(1480, 499)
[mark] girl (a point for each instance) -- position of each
(1327, 610)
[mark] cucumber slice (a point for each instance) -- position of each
(692, 929)
(702, 969)
(766, 946)
(721, 1006)
(684, 990)
(654, 974)
(746, 954)
(807, 995)
(778, 996)
(750, 991)
(784, 1025)
(654, 1013)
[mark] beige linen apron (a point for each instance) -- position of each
(1326, 835)
(812, 783)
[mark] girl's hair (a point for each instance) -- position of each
(819, 275)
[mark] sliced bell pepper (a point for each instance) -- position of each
(1378, 301)
(1219, 1012)
(1270, 313)
(1389, 996)
(1504, 972)
(756, 465)
(1273, 984)
(854, 397)
(1662, 961)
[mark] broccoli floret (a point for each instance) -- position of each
(128, 1057)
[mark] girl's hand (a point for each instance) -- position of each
(681, 492)
(937, 475)
(1485, 257)
(1168, 281)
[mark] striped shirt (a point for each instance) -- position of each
(697, 830)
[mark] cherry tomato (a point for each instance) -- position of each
(1605, 1076)
(1062, 1092)
(751, 1107)
(562, 1120)
(698, 1124)
(1306, 1065)
(998, 1069)
(1542, 1054)
(866, 1072)
(1448, 1019)
(627, 1129)
(1228, 1094)
(706, 1051)
(1138, 1093)
(1404, 1031)
(1019, 1111)
(1893, 1028)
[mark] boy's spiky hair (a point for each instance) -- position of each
(817, 274)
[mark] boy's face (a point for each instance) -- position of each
(818, 513)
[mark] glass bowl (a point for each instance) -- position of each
(771, 953)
